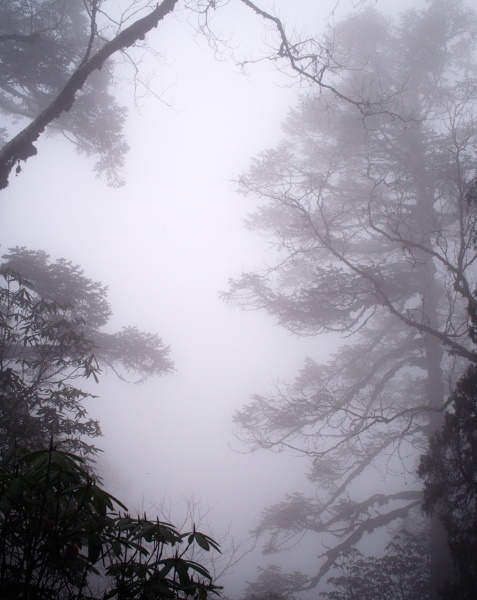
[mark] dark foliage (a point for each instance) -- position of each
(51, 337)
(449, 470)
(366, 201)
(63, 537)
(272, 584)
(401, 574)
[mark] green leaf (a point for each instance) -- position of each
(209, 541)
(94, 548)
(16, 488)
(203, 543)
(183, 572)
(198, 568)
(117, 548)
(146, 532)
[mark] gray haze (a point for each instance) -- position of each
(166, 244)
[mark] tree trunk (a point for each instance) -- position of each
(441, 562)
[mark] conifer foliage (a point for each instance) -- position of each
(51, 330)
(366, 203)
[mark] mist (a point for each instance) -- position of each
(349, 289)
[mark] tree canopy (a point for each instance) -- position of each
(449, 470)
(402, 573)
(365, 201)
(57, 70)
(51, 327)
(42, 42)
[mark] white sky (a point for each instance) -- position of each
(165, 244)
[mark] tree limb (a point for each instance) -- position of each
(21, 146)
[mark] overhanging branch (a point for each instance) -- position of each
(21, 147)
(367, 526)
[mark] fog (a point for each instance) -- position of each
(166, 245)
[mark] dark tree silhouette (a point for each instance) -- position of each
(365, 202)
(449, 470)
(56, 70)
(272, 584)
(46, 91)
(402, 573)
(51, 336)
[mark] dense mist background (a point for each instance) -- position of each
(165, 244)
